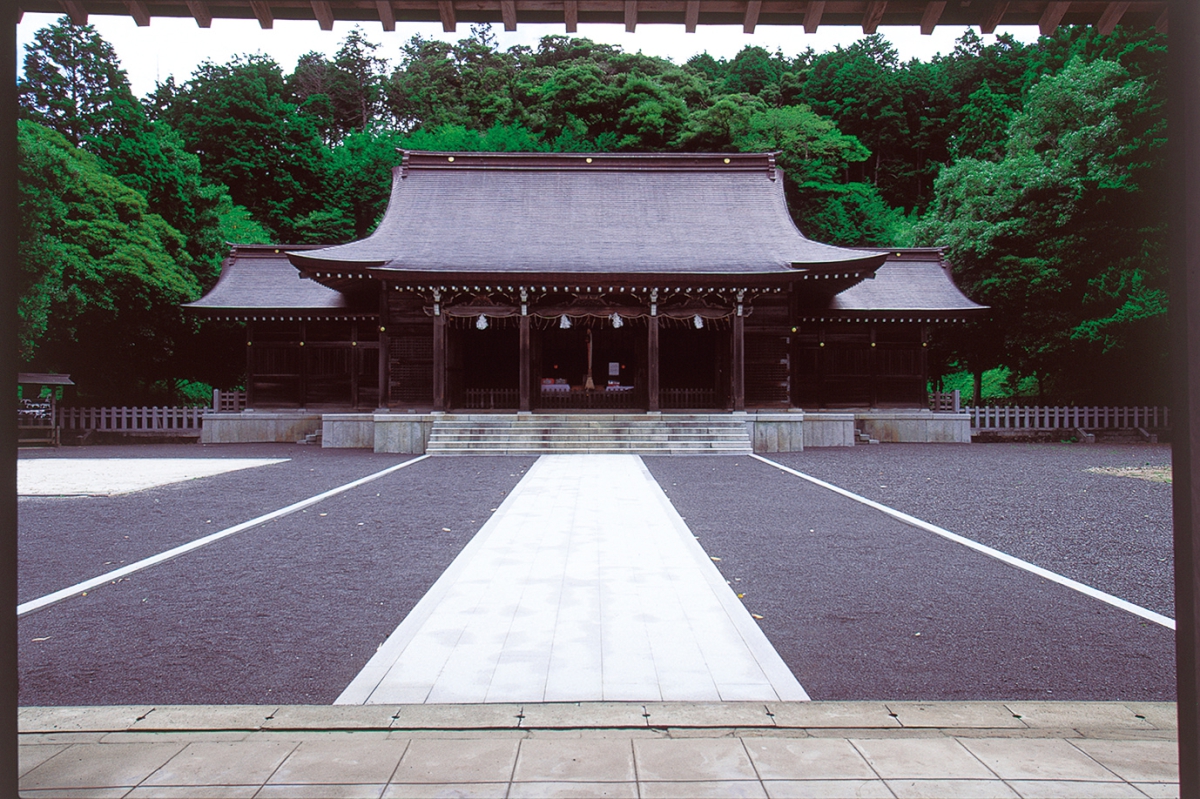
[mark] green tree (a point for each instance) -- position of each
(100, 278)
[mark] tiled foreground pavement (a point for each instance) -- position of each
(742, 749)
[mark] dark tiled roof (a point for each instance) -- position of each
(260, 277)
(910, 280)
(559, 214)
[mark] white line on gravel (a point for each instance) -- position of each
(153, 560)
(1004, 557)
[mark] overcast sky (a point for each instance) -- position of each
(174, 46)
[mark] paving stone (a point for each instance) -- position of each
(954, 714)
(724, 789)
(840, 715)
(1135, 761)
(573, 790)
(918, 759)
(693, 759)
(458, 717)
(1047, 759)
(100, 766)
(244, 763)
(76, 793)
(352, 759)
(30, 757)
(807, 759)
(321, 791)
(319, 717)
(70, 719)
(178, 736)
(1163, 715)
(1061, 789)
(575, 761)
(1159, 790)
(583, 714)
(951, 789)
(449, 790)
(466, 761)
(194, 792)
(827, 789)
(1076, 715)
(205, 717)
(708, 714)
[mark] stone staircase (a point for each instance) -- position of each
(638, 434)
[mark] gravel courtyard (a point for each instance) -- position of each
(859, 605)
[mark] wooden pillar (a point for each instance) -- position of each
(923, 389)
(439, 358)
(873, 366)
(652, 360)
(1183, 158)
(385, 378)
(739, 356)
(524, 373)
(303, 387)
(250, 363)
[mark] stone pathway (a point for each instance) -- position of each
(585, 585)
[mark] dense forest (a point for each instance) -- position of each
(1040, 168)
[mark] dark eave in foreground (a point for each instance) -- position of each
(868, 15)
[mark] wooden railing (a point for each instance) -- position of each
(945, 401)
(686, 398)
(131, 418)
(228, 401)
(1068, 418)
(486, 399)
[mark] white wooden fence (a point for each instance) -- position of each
(1067, 418)
(130, 418)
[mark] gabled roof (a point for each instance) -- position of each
(577, 214)
(913, 281)
(259, 277)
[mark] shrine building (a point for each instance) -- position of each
(576, 283)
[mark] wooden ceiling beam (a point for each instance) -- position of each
(446, 12)
(812, 15)
(75, 11)
(750, 19)
(631, 15)
(200, 13)
(571, 15)
(262, 12)
(691, 15)
(1111, 17)
(873, 15)
(1052, 16)
(993, 17)
(139, 12)
(931, 15)
(508, 13)
(324, 14)
(387, 15)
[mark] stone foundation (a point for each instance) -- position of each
(914, 426)
(257, 427)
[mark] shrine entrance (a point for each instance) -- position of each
(693, 367)
(589, 366)
(483, 366)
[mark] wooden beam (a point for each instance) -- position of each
(75, 11)
(1052, 17)
(1161, 24)
(993, 17)
(524, 373)
(631, 14)
(508, 12)
(874, 14)
(139, 12)
(1110, 17)
(753, 8)
(323, 11)
(691, 15)
(446, 12)
(571, 15)
(262, 12)
(933, 13)
(812, 15)
(387, 16)
(652, 363)
(201, 13)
